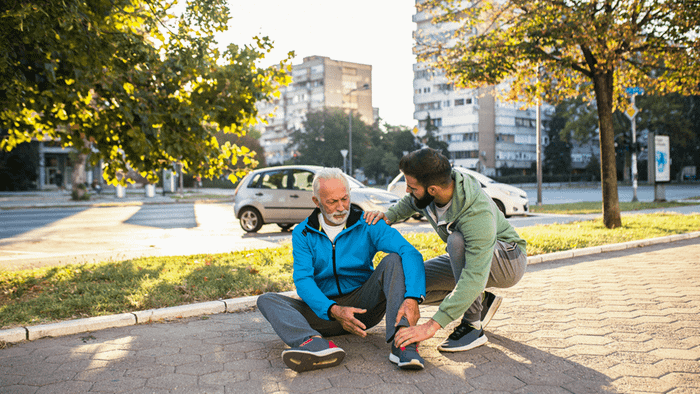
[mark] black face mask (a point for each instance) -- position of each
(423, 202)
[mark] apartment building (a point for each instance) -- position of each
(317, 82)
(483, 133)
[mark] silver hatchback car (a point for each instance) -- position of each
(282, 195)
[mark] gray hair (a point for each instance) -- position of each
(329, 173)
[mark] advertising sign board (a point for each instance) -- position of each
(663, 158)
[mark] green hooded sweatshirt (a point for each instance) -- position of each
(474, 214)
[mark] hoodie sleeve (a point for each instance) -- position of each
(389, 240)
(402, 209)
(303, 274)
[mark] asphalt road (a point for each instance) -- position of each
(53, 236)
(566, 194)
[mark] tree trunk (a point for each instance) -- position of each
(603, 83)
(78, 188)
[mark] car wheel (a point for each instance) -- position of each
(501, 208)
(285, 226)
(251, 221)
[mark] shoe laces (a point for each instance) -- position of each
(461, 330)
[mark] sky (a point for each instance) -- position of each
(374, 32)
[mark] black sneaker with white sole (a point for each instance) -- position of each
(315, 353)
(489, 306)
(464, 337)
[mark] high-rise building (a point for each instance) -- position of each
(483, 133)
(317, 82)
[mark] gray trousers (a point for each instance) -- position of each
(442, 273)
(294, 321)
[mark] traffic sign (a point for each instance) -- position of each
(631, 111)
(634, 91)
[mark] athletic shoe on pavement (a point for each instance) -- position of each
(315, 353)
(489, 306)
(464, 337)
(406, 357)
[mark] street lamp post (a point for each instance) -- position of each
(631, 113)
(538, 148)
(364, 87)
(344, 152)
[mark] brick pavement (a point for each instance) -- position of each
(618, 322)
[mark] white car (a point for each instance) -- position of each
(509, 199)
(282, 195)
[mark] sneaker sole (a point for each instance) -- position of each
(301, 361)
(492, 311)
(478, 342)
(411, 365)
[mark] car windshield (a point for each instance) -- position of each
(354, 183)
(480, 177)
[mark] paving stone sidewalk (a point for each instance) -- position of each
(618, 322)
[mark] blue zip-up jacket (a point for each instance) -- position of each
(324, 269)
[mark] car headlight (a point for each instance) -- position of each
(513, 193)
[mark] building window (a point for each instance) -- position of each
(425, 106)
(465, 154)
(505, 138)
(459, 102)
(446, 103)
(524, 122)
(426, 90)
(436, 122)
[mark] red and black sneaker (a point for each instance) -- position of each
(315, 353)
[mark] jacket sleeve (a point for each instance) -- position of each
(389, 240)
(303, 276)
(402, 209)
(479, 241)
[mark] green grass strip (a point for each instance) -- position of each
(580, 208)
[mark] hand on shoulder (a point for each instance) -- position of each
(372, 217)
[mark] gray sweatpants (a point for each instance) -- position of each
(294, 321)
(442, 273)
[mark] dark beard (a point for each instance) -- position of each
(423, 202)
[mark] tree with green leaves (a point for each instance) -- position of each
(399, 139)
(557, 154)
(677, 117)
(553, 50)
(138, 84)
(672, 115)
(325, 134)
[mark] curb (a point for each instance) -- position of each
(233, 305)
(78, 326)
(567, 254)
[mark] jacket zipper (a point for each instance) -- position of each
(335, 272)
